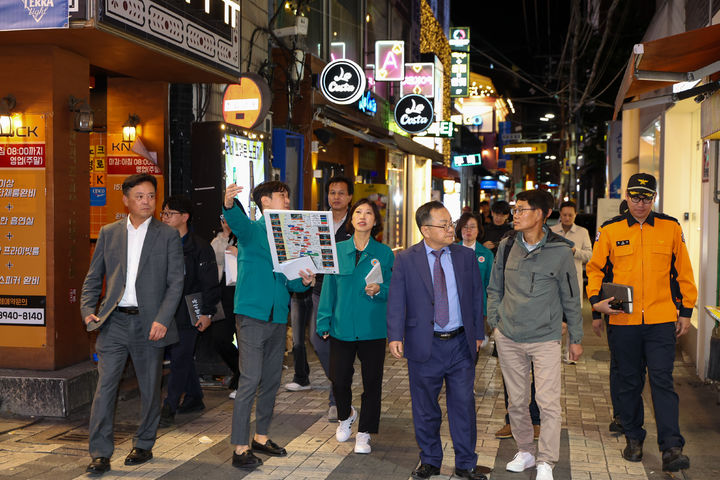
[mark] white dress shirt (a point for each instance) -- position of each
(583, 248)
(135, 240)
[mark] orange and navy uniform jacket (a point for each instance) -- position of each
(653, 259)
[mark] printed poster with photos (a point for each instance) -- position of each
(301, 239)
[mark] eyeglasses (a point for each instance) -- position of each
(520, 211)
(169, 213)
(645, 199)
(447, 227)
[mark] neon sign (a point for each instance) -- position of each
(459, 74)
(367, 104)
(337, 50)
(389, 60)
(419, 79)
(342, 82)
(460, 39)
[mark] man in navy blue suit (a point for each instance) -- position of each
(435, 318)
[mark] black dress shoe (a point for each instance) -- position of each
(192, 405)
(673, 460)
(138, 456)
(167, 417)
(270, 448)
(98, 466)
(246, 460)
(616, 426)
(424, 471)
(633, 451)
(474, 474)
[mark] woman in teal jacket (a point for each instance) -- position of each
(352, 312)
(468, 231)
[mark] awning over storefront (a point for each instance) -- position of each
(121, 55)
(685, 57)
(408, 145)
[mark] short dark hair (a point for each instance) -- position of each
(266, 189)
(137, 179)
(179, 203)
(501, 206)
(537, 199)
(484, 202)
(339, 179)
(464, 219)
(568, 204)
(377, 227)
(422, 215)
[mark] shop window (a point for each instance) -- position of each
(649, 151)
(345, 28)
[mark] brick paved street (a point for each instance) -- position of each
(198, 446)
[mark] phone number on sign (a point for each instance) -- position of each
(27, 316)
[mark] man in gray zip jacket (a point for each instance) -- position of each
(533, 283)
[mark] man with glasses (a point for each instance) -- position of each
(645, 250)
(435, 319)
(532, 285)
(200, 277)
(141, 261)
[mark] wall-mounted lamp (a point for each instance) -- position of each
(317, 173)
(129, 131)
(6, 106)
(83, 117)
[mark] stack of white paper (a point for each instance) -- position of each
(375, 275)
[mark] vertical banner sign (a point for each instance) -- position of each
(460, 39)
(33, 14)
(459, 74)
(389, 60)
(98, 183)
(419, 79)
(614, 159)
(122, 162)
(22, 224)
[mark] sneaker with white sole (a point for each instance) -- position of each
(296, 387)
(232, 395)
(521, 461)
(332, 414)
(362, 442)
(344, 430)
(544, 471)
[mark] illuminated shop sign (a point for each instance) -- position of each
(342, 82)
(246, 104)
(337, 50)
(33, 14)
(467, 160)
(389, 60)
(414, 113)
(419, 79)
(459, 74)
(525, 148)
(440, 129)
(460, 39)
(205, 30)
(492, 185)
(367, 104)
(370, 76)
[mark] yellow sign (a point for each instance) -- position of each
(525, 148)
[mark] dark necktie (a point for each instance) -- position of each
(442, 309)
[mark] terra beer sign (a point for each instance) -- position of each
(342, 81)
(414, 113)
(246, 104)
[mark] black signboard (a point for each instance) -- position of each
(414, 113)
(342, 81)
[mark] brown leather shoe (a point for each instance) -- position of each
(504, 432)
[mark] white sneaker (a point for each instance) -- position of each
(233, 394)
(332, 414)
(544, 471)
(362, 443)
(521, 461)
(296, 387)
(344, 430)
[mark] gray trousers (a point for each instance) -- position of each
(120, 336)
(261, 345)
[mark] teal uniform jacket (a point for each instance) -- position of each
(485, 260)
(259, 290)
(345, 310)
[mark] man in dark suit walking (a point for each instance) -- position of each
(435, 318)
(141, 261)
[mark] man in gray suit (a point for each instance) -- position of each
(141, 260)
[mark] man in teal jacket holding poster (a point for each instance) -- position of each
(261, 308)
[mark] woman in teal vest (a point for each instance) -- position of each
(352, 312)
(468, 231)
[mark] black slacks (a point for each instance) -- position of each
(372, 359)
